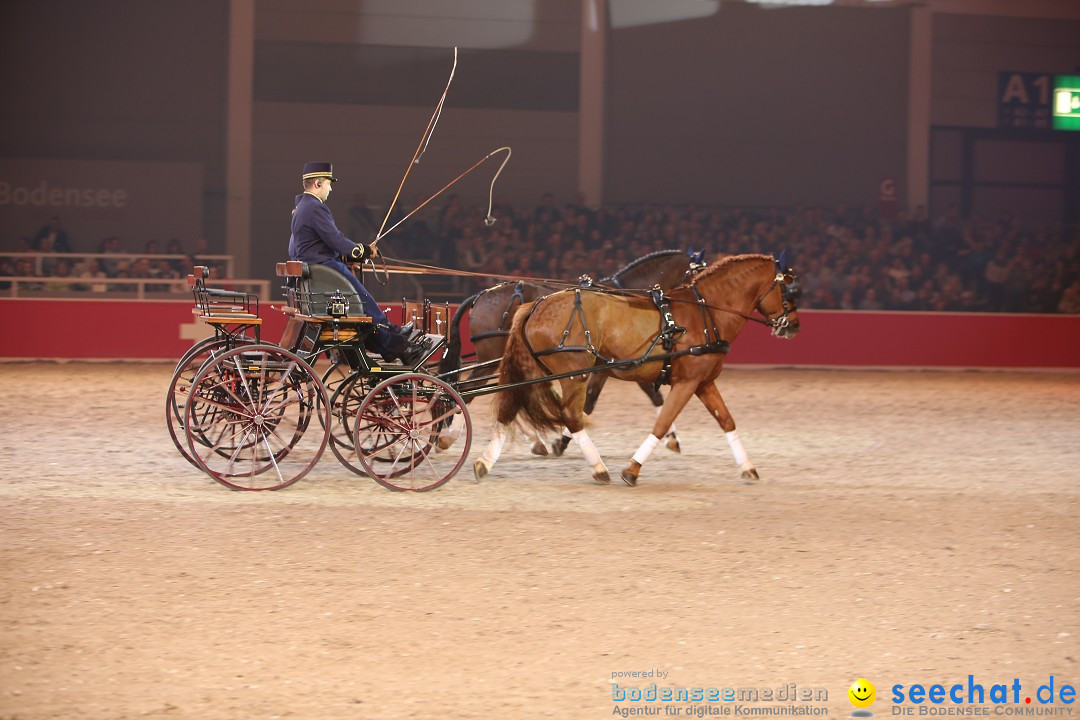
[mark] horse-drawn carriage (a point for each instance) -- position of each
(257, 416)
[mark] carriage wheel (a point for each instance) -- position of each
(396, 429)
(334, 380)
(335, 375)
(248, 418)
(345, 401)
(345, 404)
(180, 384)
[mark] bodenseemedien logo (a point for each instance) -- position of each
(862, 694)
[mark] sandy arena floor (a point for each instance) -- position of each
(909, 527)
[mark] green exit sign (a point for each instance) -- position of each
(1066, 102)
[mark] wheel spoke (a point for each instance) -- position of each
(395, 432)
(262, 432)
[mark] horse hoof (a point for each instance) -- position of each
(559, 446)
(539, 448)
(750, 475)
(602, 477)
(444, 443)
(673, 443)
(629, 478)
(479, 470)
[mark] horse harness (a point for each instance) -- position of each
(503, 329)
(666, 338)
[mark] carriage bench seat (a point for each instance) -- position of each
(227, 318)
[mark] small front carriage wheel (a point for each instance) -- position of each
(397, 426)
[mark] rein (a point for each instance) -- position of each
(414, 268)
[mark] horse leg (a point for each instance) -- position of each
(491, 453)
(593, 386)
(538, 446)
(678, 397)
(449, 434)
(671, 440)
(711, 398)
(573, 399)
(558, 447)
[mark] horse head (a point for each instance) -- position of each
(779, 304)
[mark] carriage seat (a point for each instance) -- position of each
(309, 287)
(314, 284)
(220, 307)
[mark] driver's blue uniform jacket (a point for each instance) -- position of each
(316, 239)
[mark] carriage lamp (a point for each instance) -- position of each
(337, 306)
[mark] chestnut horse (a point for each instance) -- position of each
(491, 310)
(685, 339)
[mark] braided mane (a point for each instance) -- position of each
(729, 263)
(643, 259)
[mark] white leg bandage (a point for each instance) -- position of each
(494, 448)
(567, 434)
(588, 450)
(736, 447)
(646, 449)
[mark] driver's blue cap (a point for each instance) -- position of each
(319, 170)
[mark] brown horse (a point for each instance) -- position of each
(490, 312)
(580, 330)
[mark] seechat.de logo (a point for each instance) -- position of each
(862, 694)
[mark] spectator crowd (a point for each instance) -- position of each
(846, 258)
(109, 261)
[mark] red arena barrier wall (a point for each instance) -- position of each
(118, 330)
(163, 330)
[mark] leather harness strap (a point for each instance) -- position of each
(667, 337)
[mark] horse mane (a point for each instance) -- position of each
(641, 260)
(729, 263)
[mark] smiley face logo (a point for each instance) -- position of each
(862, 693)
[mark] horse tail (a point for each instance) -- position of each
(538, 402)
(452, 358)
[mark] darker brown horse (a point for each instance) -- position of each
(641, 340)
(490, 312)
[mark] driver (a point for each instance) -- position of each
(316, 239)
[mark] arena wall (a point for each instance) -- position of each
(163, 330)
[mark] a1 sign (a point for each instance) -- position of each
(1024, 99)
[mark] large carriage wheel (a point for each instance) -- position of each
(250, 418)
(180, 384)
(396, 428)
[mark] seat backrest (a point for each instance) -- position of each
(321, 282)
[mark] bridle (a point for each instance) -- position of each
(790, 292)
